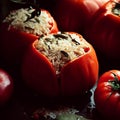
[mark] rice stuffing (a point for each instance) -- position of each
(38, 25)
(61, 48)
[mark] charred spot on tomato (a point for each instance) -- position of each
(116, 9)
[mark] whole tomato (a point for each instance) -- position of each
(19, 29)
(6, 87)
(107, 95)
(74, 15)
(103, 31)
(73, 78)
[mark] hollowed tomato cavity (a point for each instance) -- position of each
(61, 48)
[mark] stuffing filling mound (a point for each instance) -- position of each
(62, 48)
(27, 20)
(63, 113)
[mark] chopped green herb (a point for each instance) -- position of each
(76, 42)
(36, 12)
(63, 36)
(64, 53)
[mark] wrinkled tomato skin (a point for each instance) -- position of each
(103, 31)
(6, 87)
(74, 15)
(106, 99)
(76, 77)
(14, 42)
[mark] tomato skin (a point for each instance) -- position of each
(12, 48)
(14, 42)
(77, 14)
(80, 75)
(40, 75)
(6, 87)
(107, 99)
(103, 31)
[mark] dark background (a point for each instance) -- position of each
(4, 8)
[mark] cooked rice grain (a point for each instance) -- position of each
(61, 48)
(38, 25)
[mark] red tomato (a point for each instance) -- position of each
(107, 95)
(75, 77)
(103, 31)
(15, 40)
(6, 87)
(74, 15)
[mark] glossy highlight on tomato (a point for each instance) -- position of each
(6, 87)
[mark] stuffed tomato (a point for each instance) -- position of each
(20, 28)
(60, 64)
(103, 31)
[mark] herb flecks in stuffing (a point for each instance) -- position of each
(61, 48)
